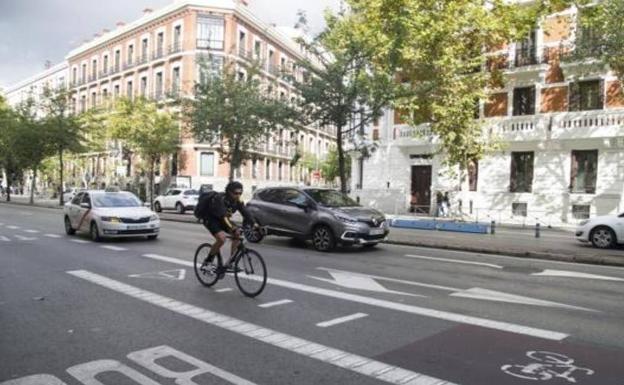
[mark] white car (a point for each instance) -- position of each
(70, 193)
(178, 198)
(603, 232)
(105, 214)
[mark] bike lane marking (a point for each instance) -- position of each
(478, 356)
(342, 359)
(275, 303)
(341, 320)
(113, 248)
(52, 236)
(418, 310)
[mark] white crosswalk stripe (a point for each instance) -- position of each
(341, 320)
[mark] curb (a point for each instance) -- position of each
(606, 260)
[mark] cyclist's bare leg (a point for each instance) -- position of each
(220, 238)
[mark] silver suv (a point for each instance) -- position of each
(325, 216)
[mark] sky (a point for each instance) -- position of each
(35, 31)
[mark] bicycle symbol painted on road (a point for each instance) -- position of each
(548, 366)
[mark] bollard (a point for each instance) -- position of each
(537, 230)
(492, 227)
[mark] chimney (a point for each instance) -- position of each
(120, 24)
(147, 11)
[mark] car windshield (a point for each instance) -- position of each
(331, 198)
(191, 192)
(115, 200)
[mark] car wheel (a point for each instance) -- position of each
(152, 237)
(157, 207)
(253, 235)
(69, 230)
(179, 208)
(602, 237)
(369, 245)
(323, 239)
(94, 233)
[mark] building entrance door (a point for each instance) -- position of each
(421, 190)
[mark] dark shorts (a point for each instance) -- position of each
(215, 226)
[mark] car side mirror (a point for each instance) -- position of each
(85, 205)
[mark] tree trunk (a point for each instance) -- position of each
(8, 188)
(61, 177)
(32, 186)
(151, 181)
(341, 161)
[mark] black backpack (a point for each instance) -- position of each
(202, 208)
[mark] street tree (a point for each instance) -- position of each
(330, 167)
(33, 144)
(66, 134)
(9, 161)
(235, 113)
(147, 130)
(438, 50)
(339, 86)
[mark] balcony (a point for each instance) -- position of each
(582, 59)
(175, 47)
(588, 124)
(525, 56)
(92, 78)
(104, 73)
(143, 59)
(210, 44)
(158, 53)
(518, 128)
(245, 54)
(128, 65)
(405, 135)
(115, 69)
(274, 70)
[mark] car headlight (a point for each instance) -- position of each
(154, 218)
(584, 222)
(111, 219)
(345, 219)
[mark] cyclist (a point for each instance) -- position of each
(218, 222)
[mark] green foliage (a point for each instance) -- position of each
(603, 23)
(9, 161)
(339, 87)
(330, 168)
(436, 50)
(145, 130)
(236, 115)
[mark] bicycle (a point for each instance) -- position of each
(247, 265)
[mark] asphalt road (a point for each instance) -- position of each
(131, 312)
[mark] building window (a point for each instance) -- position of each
(257, 49)
(158, 90)
(93, 69)
(210, 66)
(473, 175)
(160, 41)
(279, 171)
(116, 91)
(580, 211)
(206, 166)
(74, 75)
(519, 209)
(83, 103)
(117, 59)
(144, 47)
(105, 64)
(177, 36)
(521, 171)
(241, 42)
(587, 95)
(254, 169)
(524, 101)
(267, 171)
(175, 82)
(584, 171)
(93, 99)
(210, 32)
(129, 90)
(144, 86)
(130, 53)
(84, 73)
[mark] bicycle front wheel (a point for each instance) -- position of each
(206, 271)
(250, 273)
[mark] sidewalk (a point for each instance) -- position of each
(553, 244)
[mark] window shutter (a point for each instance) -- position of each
(575, 97)
(529, 171)
(573, 170)
(601, 94)
(592, 172)
(514, 173)
(531, 104)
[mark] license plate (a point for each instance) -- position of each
(376, 231)
(137, 227)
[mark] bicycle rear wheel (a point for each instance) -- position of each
(206, 272)
(250, 273)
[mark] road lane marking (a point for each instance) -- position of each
(455, 261)
(32, 231)
(23, 238)
(418, 310)
(412, 283)
(13, 227)
(79, 241)
(359, 282)
(342, 359)
(491, 295)
(341, 320)
(52, 235)
(177, 274)
(4, 239)
(574, 274)
(275, 303)
(224, 290)
(114, 248)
